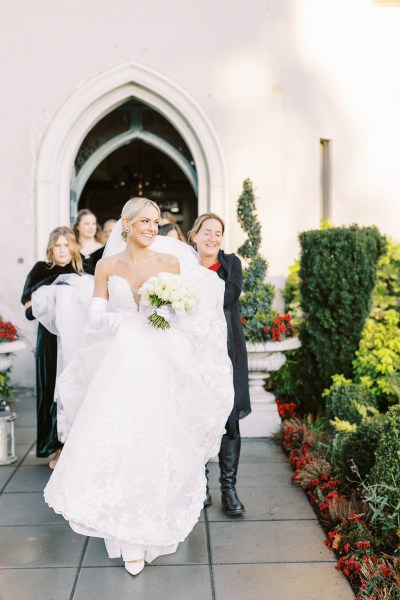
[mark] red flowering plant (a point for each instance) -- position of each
(8, 332)
(286, 410)
(348, 520)
(261, 327)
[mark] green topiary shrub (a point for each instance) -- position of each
(255, 302)
(387, 465)
(347, 401)
(337, 277)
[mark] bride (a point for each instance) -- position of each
(147, 407)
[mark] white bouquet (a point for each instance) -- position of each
(169, 295)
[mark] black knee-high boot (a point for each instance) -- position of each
(228, 463)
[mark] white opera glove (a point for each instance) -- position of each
(168, 313)
(99, 317)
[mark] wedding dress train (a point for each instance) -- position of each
(146, 409)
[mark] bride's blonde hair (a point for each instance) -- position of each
(133, 209)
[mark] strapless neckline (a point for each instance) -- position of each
(133, 290)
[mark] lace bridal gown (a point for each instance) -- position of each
(148, 409)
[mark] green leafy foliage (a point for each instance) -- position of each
(6, 388)
(358, 448)
(377, 361)
(337, 277)
(348, 401)
(387, 465)
(387, 289)
(291, 294)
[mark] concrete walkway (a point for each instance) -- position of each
(274, 552)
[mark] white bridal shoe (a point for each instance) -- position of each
(134, 567)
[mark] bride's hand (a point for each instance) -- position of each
(99, 317)
(167, 313)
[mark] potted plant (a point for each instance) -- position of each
(9, 343)
(268, 334)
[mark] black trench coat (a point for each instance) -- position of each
(231, 272)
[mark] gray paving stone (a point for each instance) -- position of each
(32, 459)
(22, 393)
(6, 471)
(273, 503)
(21, 451)
(25, 418)
(273, 541)
(260, 450)
(312, 581)
(26, 509)
(190, 552)
(32, 584)
(25, 435)
(154, 583)
(274, 552)
(29, 479)
(53, 546)
(23, 403)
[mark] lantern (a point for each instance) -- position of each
(7, 435)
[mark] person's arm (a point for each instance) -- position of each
(99, 317)
(101, 280)
(28, 311)
(233, 285)
(34, 277)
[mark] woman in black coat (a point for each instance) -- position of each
(206, 236)
(63, 257)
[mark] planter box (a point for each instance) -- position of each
(6, 353)
(262, 359)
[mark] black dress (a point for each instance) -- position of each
(90, 261)
(46, 362)
(231, 272)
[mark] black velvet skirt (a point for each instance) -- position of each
(46, 368)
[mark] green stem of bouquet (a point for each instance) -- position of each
(158, 321)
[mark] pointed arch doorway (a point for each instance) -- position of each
(135, 151)
(91, 103)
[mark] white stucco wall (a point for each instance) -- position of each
(272, 77)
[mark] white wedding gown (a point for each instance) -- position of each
(147, 409)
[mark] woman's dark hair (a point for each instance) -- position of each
(165, 229)
(82, 213)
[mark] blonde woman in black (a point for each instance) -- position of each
(62, 258)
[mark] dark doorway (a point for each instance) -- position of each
(137, 168)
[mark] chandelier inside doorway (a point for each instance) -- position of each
(139, 179)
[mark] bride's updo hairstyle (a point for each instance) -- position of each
(132, 211)
(198, 224)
